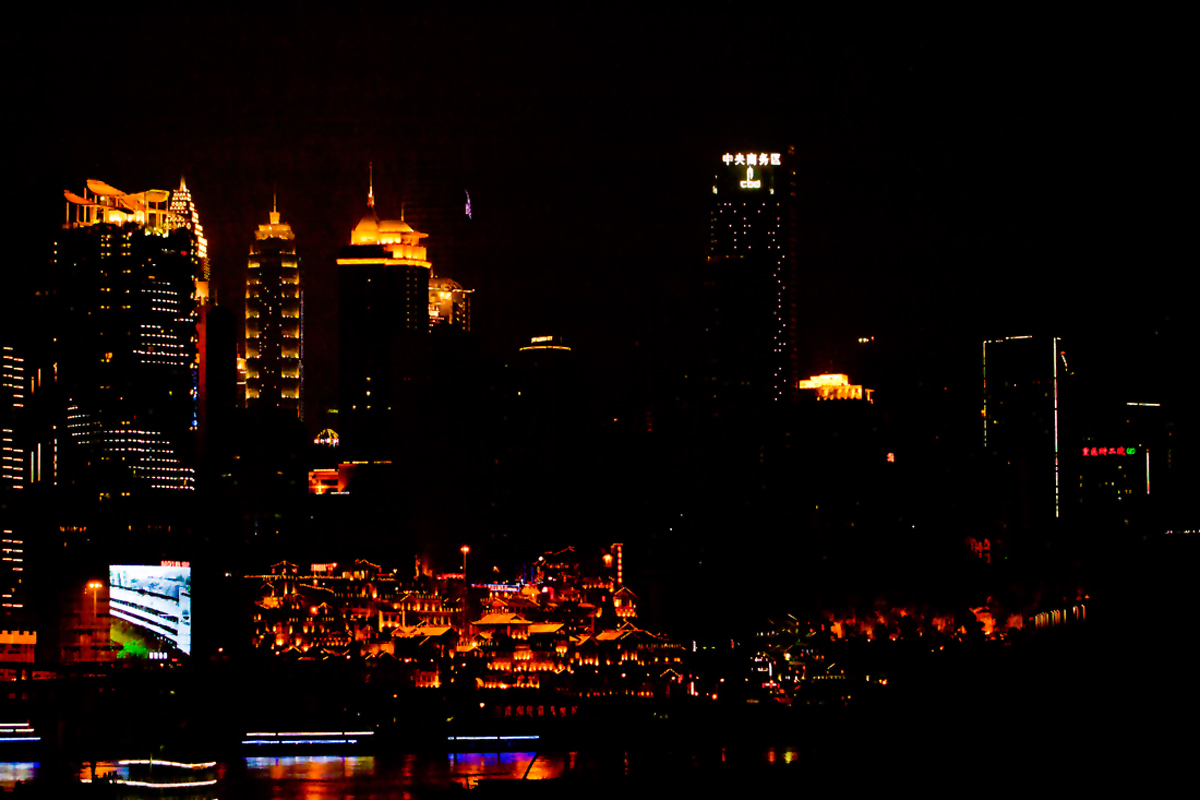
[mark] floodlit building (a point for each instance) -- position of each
(274, 320)
(834, 387)
(449, 304)
(184, 214)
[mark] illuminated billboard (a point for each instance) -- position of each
(151, 608)
(750, 171)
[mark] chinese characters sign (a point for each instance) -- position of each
(1109, 451)
(751, 159)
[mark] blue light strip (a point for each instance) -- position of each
(488, 738)
(299, 741)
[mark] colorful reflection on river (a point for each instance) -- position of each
(392, 777)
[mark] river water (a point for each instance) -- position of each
(314, 777)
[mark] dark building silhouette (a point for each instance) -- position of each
(1022, 428)
(383, 328)
(748, 339)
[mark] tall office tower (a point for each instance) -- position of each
(383, 310)
(749, 330)
(125, 362)
(274, 320)
(183, 209)
(13, 389)
(16, 464)
(1022, 428)
(449, 305)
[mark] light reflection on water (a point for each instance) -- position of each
(393, 777)
(310, 768)
(13, 771)
(777, 755)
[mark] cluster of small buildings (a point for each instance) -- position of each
(571, 625)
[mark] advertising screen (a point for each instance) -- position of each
(151, 608)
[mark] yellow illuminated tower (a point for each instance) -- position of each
(384, 325)
(184, 214)
(274, 319)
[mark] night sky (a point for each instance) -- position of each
(957, 175)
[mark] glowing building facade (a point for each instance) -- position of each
(17, 465)
(750, 325)
(449, 304)
(126, 278)
(13, 388)
(834, 387)
(274, 320)
(185, 215)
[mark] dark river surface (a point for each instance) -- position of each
(364, 777)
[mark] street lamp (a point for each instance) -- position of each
(465, 550)
(95, 586)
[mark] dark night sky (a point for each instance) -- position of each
(957, 175)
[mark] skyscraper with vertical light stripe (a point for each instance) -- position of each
(274, 321)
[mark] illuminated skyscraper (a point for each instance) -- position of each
(274, 319)
(125, 369)
(749, 331)
(185, 215)
(1022, 426)
(17, 462)
(384, 322)
(14, 385)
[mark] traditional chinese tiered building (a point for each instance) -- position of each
(565, 630)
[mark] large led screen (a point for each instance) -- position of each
(151, 609)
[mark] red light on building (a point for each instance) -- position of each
(891, 458)
(1109, 451)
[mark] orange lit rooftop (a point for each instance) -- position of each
(835, 386)
(395, 236)
(111, 205)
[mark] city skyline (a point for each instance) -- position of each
(647, 383)
(968, 191)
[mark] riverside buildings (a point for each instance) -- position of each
(571, 626)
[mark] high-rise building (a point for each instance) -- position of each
(185, 215)
(449, 304)
(749, 330)
(13, 389)
(274, 319)
(17, 462)
(384, 323)
(1022, 427)
(125, 272)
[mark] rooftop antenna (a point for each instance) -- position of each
(371, 185)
